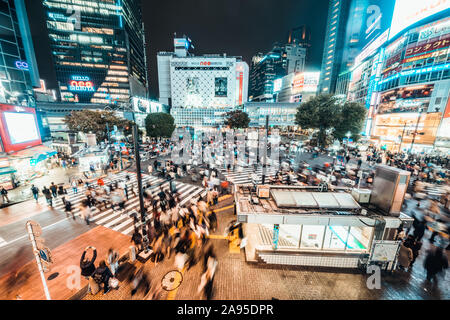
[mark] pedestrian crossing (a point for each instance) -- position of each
(242, 175)
(436, 190)
(118, 220)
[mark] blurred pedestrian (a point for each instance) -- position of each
(435, 262)
(35, 192)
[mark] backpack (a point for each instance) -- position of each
(98, 277)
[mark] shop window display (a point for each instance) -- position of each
(335, 237)
(312, 237)
(359, 238)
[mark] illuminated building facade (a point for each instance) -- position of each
(97, 49)
(404, 79)
(200, 89)
(296, 87)
(18, 71)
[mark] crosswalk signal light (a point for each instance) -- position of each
(32, 162)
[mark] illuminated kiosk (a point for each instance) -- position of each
(298, 225)
(24, 153)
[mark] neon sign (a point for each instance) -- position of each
(80, 78)
(22, 65)
(417, 71)
(81, 83)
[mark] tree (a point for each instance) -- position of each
(159, 124)
(319, 113)
(331, 117)
(87, 121)
(351, 120)
(237, 119)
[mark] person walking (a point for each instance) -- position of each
(74, 186)
(113, 261)
(85, 211)
(54, 190)
(434, 263)
(35, 192)
(4, 194)
(48, 196)
(68, 208)
(419, 230)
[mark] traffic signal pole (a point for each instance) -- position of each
(137, 157)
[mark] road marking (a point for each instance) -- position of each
(222, 209)
(3, 242)
(171, 295)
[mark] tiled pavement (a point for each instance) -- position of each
(236, 279)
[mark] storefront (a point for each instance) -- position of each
(31, 163)
(396, 130)
(328, 229)
(7, 174)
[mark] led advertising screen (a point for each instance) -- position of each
(408, 12)
(22, 127)
(18, 128)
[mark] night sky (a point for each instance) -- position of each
(235, 27)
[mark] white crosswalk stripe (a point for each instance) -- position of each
(118, 220)
(244, 176)
(3, 242)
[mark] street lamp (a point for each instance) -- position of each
(415, 130)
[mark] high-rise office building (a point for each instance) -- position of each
(352, 26)
(264, 70)
(296, 49)
(97, 49)
(18, 72)
(334, 44)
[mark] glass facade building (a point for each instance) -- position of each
(97, 49)
(16, 86)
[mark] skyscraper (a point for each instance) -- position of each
(97, 49)
(334, 44)
(18, 71)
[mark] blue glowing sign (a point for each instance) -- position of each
(22, 65)
(417, 71)
(80, 78)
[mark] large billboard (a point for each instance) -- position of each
(368, 20)
(408, 12)
(220, 86)
(18, 128)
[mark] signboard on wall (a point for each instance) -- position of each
(408, 12)
(192, 85)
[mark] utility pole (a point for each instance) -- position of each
(139, 180)
(265, 154)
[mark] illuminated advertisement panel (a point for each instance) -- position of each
(408, 99)
(408, 12)
(18, 128)
(220, 86)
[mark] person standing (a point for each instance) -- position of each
(54, 190)
(405, 257)
(435, 262)
(4, 194)
(35, 192)
(102, 275)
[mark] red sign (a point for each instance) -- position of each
(205, 63)
(428, 46)
(241, 80)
